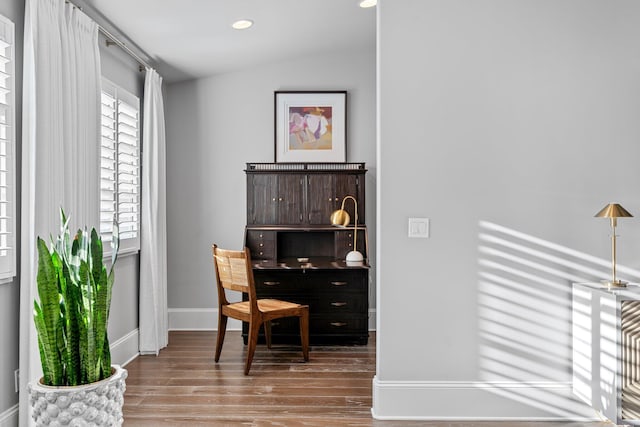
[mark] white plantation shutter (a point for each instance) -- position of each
(120, 167)
(108, 159)
(7, 145)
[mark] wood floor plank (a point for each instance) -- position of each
(184, 387)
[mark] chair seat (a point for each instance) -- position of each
(264, 305)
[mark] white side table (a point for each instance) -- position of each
(606, 350)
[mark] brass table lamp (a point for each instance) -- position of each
(340, 218)
(613, 211)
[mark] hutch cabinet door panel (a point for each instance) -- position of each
(290, 199)
(321, 198)
(262, 191)
(350, 185)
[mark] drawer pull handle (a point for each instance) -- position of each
(339, 324)
(338, 304)
(270, 283)
(338, 283)
(261, 244)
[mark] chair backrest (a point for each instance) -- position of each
(233, 272)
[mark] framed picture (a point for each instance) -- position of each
(311, 126)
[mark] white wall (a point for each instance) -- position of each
(214, 127)
(508, 124)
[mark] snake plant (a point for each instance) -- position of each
(71, 318)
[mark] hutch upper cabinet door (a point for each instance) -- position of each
(275, 199)
(290, 210)
(325, 193)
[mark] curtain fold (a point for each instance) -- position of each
(153, 317)
(60, 147)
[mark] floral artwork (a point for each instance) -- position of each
(310, 126)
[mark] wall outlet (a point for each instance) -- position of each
(16, 378)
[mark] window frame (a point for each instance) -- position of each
(7, 36)
(127, 245)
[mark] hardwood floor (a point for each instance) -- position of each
(184, 387)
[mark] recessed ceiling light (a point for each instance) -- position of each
(242, 24)
(368, 3)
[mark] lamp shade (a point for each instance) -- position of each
(613, 210)
(340, 218)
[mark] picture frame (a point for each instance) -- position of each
(310, 127)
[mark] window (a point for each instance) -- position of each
(120, 167)
(7, 148)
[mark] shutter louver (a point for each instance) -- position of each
(7, 144)
(128, 171)
(120, 167)
(108, 168)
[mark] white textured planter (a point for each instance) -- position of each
(95, 404)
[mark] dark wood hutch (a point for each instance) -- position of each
(298, 256)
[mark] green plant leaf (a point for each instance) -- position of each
(47, 314)
(72, 316)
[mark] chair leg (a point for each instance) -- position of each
(254, 328)
(304, 334)
(222, 328)
(267, 333)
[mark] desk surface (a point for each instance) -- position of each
(313, 263)
(630, 292)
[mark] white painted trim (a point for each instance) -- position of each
(483, 400)
(198, 319)
(125, 349)
(9, 418)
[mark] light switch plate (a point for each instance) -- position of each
(419, 227)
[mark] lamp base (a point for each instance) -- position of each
(354, 256)
(615, 283)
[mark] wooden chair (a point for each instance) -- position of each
(233, 272)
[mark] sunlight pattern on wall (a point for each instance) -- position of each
(525, 316)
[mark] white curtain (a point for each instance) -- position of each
(60, 147)
(153, 327)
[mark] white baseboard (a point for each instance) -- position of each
(450, 400)
(206, 319)
(9, 418)
(198, 319)
(125, 349)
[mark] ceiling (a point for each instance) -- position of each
(193, 38)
